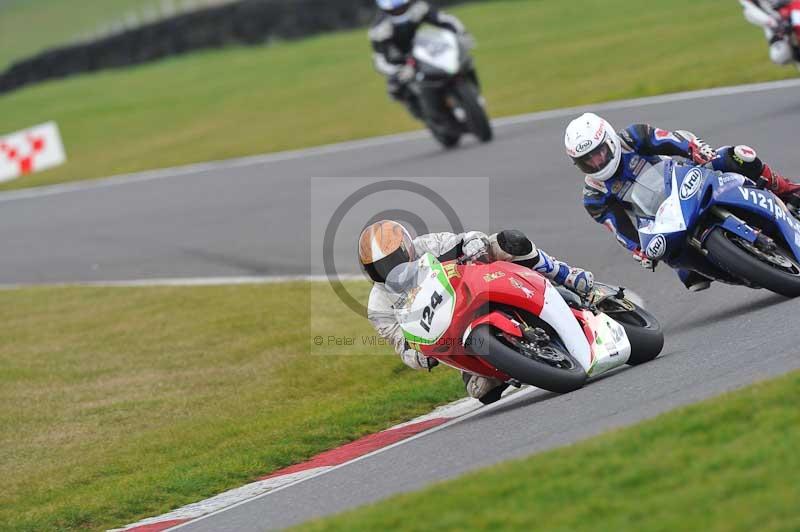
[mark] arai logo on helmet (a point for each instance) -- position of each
(691, 183)
(583, 146)
(657, 247)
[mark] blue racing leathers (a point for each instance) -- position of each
(643, 146)
(609, 203)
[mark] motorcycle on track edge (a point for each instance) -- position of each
(506, 321)
(447, 86)
(720, 225)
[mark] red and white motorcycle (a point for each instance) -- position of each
(780, 21)
(506, 321)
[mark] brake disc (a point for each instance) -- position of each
(772, 258)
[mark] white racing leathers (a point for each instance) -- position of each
(760, 13)
(447, 246)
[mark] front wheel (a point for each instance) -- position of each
(477, 121)
(774, 269)
(550, 367)
(447, 139)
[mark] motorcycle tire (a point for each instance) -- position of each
(644, 333)
(746, 264)
(486, 343)
(447, 140)
(477, 121)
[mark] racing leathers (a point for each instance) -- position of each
(392, 39)
(644, 146)
(780, 20)
(510, 245)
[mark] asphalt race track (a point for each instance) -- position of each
(252, 219)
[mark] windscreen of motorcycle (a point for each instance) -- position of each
(437, 48)
(426, 299)
(648, 191)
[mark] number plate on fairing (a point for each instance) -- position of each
(427, 308)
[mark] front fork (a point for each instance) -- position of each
(733, 224)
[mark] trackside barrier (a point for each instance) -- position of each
(248, 22)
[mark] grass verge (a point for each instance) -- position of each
(30, 26)
(532, 55)
(730, 463)
(120, 403)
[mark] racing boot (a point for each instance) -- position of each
(484, 389)
(780, 186)
(747, 159)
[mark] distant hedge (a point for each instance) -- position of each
(244, 22)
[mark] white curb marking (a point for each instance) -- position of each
(454, 412)
(476, 409)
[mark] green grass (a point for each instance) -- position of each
(30, 26)
(728, 464)
(117, 404)
(532, 55)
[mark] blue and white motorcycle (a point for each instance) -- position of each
(720, 225)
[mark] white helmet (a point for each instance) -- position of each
(594, 146)
(394, 7)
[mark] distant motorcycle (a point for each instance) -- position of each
(784, 26)
(447, 86)
(506, 321)
(720, 225)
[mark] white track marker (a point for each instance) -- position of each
(477, 409)
(452, 412)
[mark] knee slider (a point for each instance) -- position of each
(744, 154)
(743, 160)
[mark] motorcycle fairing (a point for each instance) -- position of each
(559, 316)
(610, 345)
(597, 342)
(553, 310)
(767, 207)
(427, 309)
(438, 49)
(664, 236)
(687, 203)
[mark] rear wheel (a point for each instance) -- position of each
(548, 367)
(478, 123)
(643, 331)
(774, 269)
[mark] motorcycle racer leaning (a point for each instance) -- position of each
(780, 20)
(386, 244)
(392, 38)
(613, 160)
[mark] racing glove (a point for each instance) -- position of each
(580, 281)
(701, 152)
(644, 261)
(475, 247)
(416, 360)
